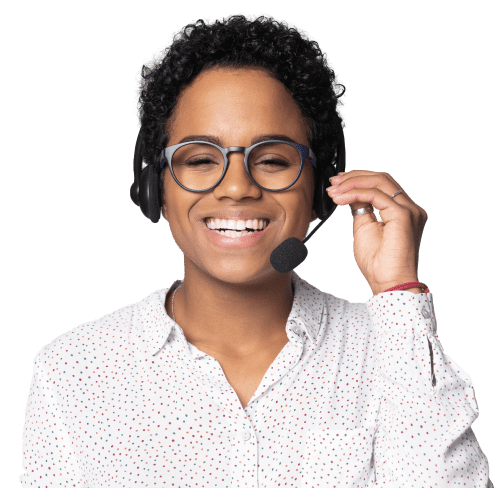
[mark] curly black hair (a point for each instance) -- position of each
(239, 42)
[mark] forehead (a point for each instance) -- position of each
(236, 104)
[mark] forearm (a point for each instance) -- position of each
(427, 401)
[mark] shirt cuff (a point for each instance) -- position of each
(393, 310)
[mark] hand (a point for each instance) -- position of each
(386, 252)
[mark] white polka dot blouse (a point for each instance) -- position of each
(356, 398)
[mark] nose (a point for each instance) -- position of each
(236, 183)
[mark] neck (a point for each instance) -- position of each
(232, 318)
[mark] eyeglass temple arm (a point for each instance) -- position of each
(312, 157)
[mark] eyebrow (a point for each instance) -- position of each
(255, 140)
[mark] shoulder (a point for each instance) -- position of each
(115, 334)
(351, 317)
(334, 316)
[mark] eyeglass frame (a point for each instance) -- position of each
(304, 151)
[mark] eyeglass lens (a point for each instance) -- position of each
(273, 165)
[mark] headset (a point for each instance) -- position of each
(145, 190)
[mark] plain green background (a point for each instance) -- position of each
(421, 103)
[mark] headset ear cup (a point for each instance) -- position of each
(149, 194)
(323, 204)
(134, 192)
(139, 144)
(317, 204)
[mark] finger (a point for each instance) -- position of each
(367, 216)
(371, 179)
(363, 172)
(382, 181)
(341, 177)
(388, 208)
(374, 180)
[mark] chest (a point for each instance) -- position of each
(244, 377)
(245, 374)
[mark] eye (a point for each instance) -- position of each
(273, 161)
(200, 162)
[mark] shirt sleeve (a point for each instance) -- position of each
(49, 459)
(424, 436)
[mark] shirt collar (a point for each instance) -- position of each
(307, 308)
(306, 314)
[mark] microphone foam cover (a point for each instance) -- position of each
(288, 255)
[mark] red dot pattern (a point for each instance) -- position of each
(353, 400)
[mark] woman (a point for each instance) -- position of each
(242, 375)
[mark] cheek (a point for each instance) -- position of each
(169, 192)
(177, 210)
(309, 212)
(299, 204)
(162, 195)
(170, 200)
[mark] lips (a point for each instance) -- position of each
(236, 224)
(235, 239)
(233, 227)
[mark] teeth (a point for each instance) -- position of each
(236, 225)
(234, 233)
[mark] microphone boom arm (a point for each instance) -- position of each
(319, 225)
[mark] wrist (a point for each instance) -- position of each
(415, 290)
(413, 286)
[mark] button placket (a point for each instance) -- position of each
(246, 435)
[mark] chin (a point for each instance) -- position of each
(239, 272)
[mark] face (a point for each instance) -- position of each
(236, 106)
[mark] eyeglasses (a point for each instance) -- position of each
(272, 165)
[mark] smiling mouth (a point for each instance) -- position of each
(236, 228)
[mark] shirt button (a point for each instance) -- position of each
(296, 330)
(425, 313)
(246, 435)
